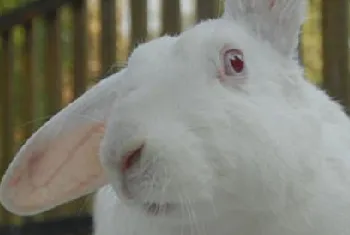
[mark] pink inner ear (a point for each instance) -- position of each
(272, 3)
(66, 169)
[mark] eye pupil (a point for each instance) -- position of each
(237, 64)
(233, 63)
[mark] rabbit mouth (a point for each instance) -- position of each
(158, 209)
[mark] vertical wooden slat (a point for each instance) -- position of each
(2, 210)
(6, 97)
(207, 9)
(53, 67)
(27, 109)
(335, 49)
(171, 17)
(80, 39)
(108, 35)
(138, 22)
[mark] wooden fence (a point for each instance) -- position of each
(37, 81)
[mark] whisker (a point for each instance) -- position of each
(150, 190)
(119, 65)
(194, 216)
(35, 121)
(161, 202)
(214, 208)
(199, 226)
(182, 203)
(189, 215)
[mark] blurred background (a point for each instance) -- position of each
(51, 51)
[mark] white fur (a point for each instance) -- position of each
(266, 155)
(270, 157)
(276, 21)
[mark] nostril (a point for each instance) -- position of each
(131, 158)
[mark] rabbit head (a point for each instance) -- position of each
(218, 117)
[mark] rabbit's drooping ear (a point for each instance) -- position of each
(60, 161)
(277, 21)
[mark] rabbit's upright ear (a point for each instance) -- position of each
(60, 161)
(276, 21)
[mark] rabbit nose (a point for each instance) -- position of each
(130, 159)
(128, 162)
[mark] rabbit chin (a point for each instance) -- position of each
(159, 214)
(165, 209)
(113, 215)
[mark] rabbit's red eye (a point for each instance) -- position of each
(237, 64)
(233, 62)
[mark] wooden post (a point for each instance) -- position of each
(207, 9)
(80, 53)
(171, 17)
(53, 73)
(6, 99)
(335, 49)
(27, 99)
(138, 22)
(109, 35)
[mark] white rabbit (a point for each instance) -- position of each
(212, 132)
